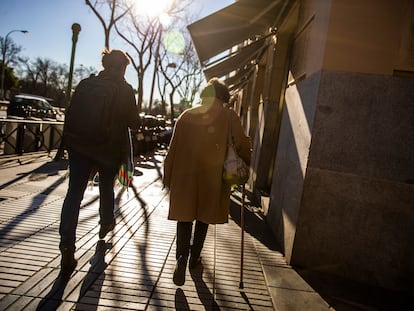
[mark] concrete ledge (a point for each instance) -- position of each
(290, 292)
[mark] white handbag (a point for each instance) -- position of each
(235, 170)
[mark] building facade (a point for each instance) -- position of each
(325, 88)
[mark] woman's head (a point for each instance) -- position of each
(216, 89)
(115, 60)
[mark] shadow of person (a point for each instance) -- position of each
(180, 300)
(203, 292)
(97, 270)
(53, 299)
(97, 261)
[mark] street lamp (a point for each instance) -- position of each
(76, 28)
(4, 49)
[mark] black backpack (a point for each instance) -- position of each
(91, 115)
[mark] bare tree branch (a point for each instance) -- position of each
(113, 5)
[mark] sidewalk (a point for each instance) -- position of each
(132, 269)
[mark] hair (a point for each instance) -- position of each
(115, 59)
(216, 88)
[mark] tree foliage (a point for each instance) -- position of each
(178, 75)
(181, 72)
(143, 35)
(10, 79)
(45, 77)
(12, 51)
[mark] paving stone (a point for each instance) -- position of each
(132, 269)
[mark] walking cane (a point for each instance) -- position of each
(242, 239)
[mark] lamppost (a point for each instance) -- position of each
(4, 49)
(76, 28)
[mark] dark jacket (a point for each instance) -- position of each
(113, 151)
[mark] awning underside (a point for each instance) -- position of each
(242, 58)
(244, 21)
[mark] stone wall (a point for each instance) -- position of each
(356, 215)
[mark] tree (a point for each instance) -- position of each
(47, 78)
(193, 77)
(12, 51)
(98, 8)
(81, 72)
(142, 35)
(10, 79)
(29, 75)
(182, 74)
(9, 51)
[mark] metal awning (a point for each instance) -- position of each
(241, 76)
(245, 19)
(238, 60)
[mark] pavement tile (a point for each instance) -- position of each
(132, 269)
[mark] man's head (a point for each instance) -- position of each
(115, 60)
(216, 89)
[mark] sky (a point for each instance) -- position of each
(49, 24)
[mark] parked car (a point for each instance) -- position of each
(30, 106)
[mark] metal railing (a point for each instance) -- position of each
(22, 136)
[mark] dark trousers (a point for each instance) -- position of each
(184, 230)
(80, 168)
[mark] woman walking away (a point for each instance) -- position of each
(193, 171)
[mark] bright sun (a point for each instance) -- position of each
(152, 8)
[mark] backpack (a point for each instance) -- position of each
(90, 117)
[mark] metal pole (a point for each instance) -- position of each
(76, 28)
(242, 225)
(3, 67)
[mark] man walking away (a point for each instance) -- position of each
(101, 110)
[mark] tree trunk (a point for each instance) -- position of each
(172, 107)
(140, 94)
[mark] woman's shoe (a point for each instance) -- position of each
(179, 272)
(68, 262)
(103, 231)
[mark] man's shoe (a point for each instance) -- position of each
(194, 262)
(179, 272)
(105, 229)
(68, 262)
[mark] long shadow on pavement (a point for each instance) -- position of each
(255, 223)
(97, 270)
(180, 300)
(203, 292)
(53, 299)
(48, 169)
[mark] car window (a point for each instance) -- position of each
(18, 100)
(47, 105)
(31, 103)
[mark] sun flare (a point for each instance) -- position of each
(152, 8)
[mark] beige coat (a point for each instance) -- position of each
(194, 163)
